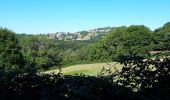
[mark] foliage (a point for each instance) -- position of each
(11, 58)
(56, 87)
(131, 41)
(84, 33)
(162, 37)
(149, 77)
(135, 40)
(68, 57)
(40, 51)
(139, 79)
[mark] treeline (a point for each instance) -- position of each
(132, 41)
(11, 58)
(43, 52)
(39, 51)
(135, 40)
(139, 79)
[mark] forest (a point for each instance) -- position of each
(144, 54)
(132, 41)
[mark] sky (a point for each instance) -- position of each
(48, 16)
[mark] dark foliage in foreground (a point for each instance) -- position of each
(56, 87)
(151, 77)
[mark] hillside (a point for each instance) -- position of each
(81, 35)
(120, 43)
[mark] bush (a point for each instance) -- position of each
(56, 87)
(150, 78)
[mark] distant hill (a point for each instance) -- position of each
(81, 35)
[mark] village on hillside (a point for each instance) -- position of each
(79, 36)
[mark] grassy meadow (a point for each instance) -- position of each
(87, 69)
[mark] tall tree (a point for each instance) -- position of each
(10, 55)
(162, 37)
(40, 51)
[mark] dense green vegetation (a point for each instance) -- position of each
(141, 78)
(11, 58)
(39, 51)
(135, 40)
(45, 52)
(84, 33)
(137, 81)
(162, 37)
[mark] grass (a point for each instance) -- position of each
(87, 69)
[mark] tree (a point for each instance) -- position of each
(11, 58)
(68, 57)
(123, 41)
(137, 41)
(162, 37)
(149, 77)
(84, 33)
(129, 41)
(40, 51)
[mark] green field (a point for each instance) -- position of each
(87, 69)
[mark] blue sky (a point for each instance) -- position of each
(44, 16)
